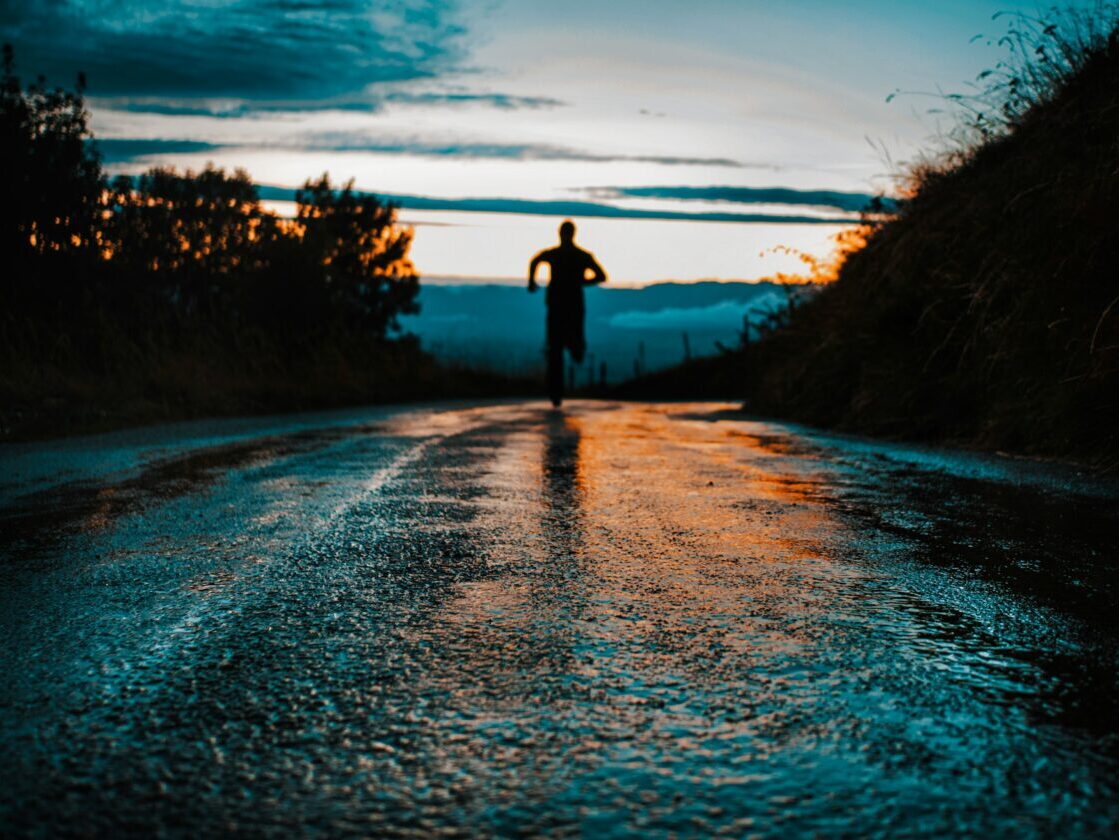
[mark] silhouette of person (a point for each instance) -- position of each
(569, 266)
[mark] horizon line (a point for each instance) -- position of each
(472, 280)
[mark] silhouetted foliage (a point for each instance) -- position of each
(196, 237)
(987, 311)
(180, 290)
(208, 246)
(53, 181)
(364, 255)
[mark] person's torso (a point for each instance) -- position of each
(568, 272)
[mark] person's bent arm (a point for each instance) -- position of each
(532, 267)
(597, 274)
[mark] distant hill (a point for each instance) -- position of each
(501, 327)
(987, 310)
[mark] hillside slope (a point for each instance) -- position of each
(987, 311)
(501, 327)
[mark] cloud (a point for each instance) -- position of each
(230, 109)
(361, 142)
(504, 101)
(339, 141)
(252, 49)
(176, 108)
(847, 201)
(367, 102)
(125, 150)
(584, 209)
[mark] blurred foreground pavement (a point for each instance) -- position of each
(615, 619)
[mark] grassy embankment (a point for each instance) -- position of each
(986, 312)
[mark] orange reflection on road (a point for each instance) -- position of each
(728, 552)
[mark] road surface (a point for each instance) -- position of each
(503, 620)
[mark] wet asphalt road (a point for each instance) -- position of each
(502, 620)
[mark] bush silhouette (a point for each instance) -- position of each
(178, 293)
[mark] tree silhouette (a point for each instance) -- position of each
(53, 178)
(166, 282)
(198, 235)
(362, 252)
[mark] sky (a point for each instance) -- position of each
(689, 140)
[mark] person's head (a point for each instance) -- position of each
(567, 232)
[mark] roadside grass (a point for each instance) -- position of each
(986, 311)
(129, 384)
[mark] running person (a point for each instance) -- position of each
(569, 266)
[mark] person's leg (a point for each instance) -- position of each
(555, 364)
(573, 341)
(555, 373)
(576, 337)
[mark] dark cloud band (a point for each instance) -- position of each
(504, 101)
(123, 150)
(370, 102)
(847, 201)
(345, 142)
(584, 209)
(128, 150)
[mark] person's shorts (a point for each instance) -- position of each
(566, 330)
